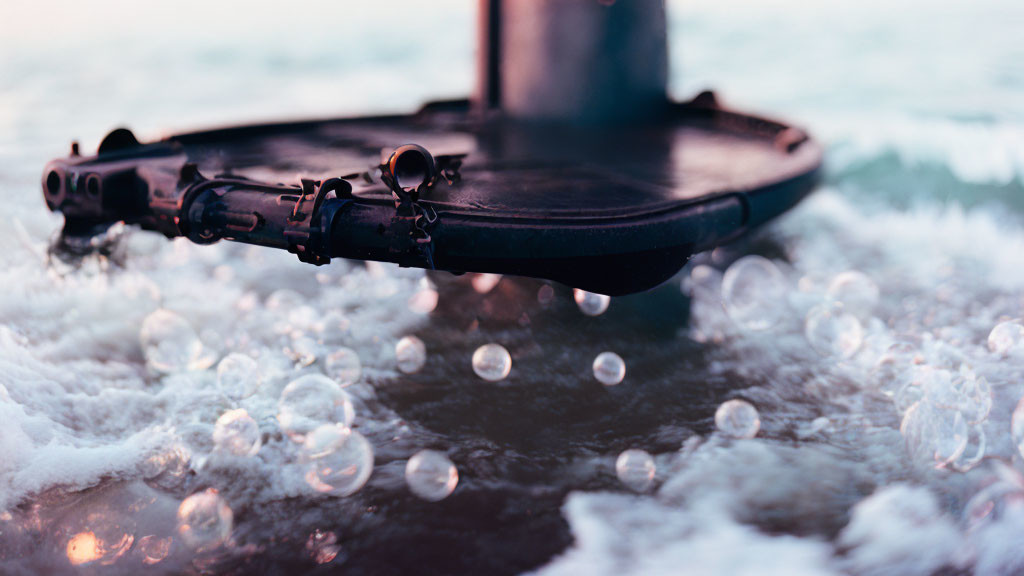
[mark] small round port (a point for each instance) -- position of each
(53, 183)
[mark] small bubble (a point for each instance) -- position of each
(238, 376)
(1007, 338)
(310, 401)
(492, 362)
(590, 303)
(410, 354)
(304, 350)
(754, 293)
(344, 366)
(738, 419)
(833, 332)
(170, 344)
(484, 283)
(431, 475)
(205, 520)
(154, 549)
(237, 433)
(339, 460)
(857, 293)
(609, 368)
(635, 468)
(322, 546)
(1017, 427)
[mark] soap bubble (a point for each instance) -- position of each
(933, 435)
(238, 376)
(312, 400)
(609, 368)
(833, 332)
(635, 468)
(339, 460)
(322, 546)
(754, 293)
(204, 520)
(431, 475)
(170, 344)
(974, 452)
(304, 350)
(492, 362)
(738, 419)
(857, 293)
(1007, 338)
(237, 433)
(410, 354)
(344, 366)
(484, 283)
(590, 303)
(153, 549)
(333, 327)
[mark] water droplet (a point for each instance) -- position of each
(431, 475)
(484, 283)
(344, 366)
(322, 546)
(310, 401)
(833, 332)
(635, 468)
(857, 293)
(609, 368)
(738, 419)
(1007, 338)
(170, 344)
(590, 303)
(410, 354)
(205, 520)
(754, 293)
(339, 460)
(238, 376)
(237, 433)
(154, 549)
(492, 362)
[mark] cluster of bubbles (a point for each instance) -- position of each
(943, 403)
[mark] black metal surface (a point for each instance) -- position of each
(611, 209)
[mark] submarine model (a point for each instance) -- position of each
(569, 163)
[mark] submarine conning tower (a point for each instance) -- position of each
(573, 61)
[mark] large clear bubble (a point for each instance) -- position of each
(343, 366)
(238, 376)
(205, 521)
(431, 475)
(311, 401)
(635, 469)
(754, 293)
(492, 362)
(738, 419)
(609, 368)
(410, 354)
(857, 293)
(171, 345)
(590, 303)
(338, 460)
(237, 433)
(832, 331)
